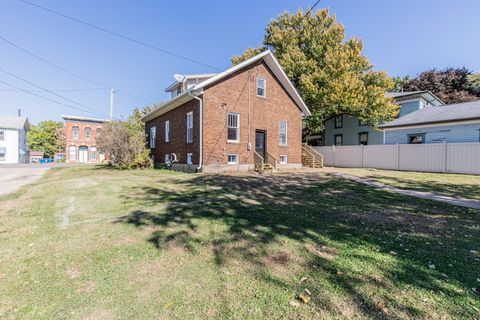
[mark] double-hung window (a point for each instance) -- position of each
(3, 153)
(363, 138)
(167, 131)
(233, 127)
(283, 133)
(93, 153)
(153, 136)
(75, 132)
(338, 139)
(88, 133)
(338, 122)
(261, 87)
(190, 127)
(72, 153)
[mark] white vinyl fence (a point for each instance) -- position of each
(442, 157)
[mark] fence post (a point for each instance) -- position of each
(398, 156)
(445, 156)
(361, 150)
(333, 154)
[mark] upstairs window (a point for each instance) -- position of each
(190, 127)
(338, 121)
(261, 87)
(338, 139)
(233, 127)
(363, 138)
(283, 133)
(2, 135)
(153, 136)
(88, 133)
(167, 131)
(416, 138)
(75, 133)
(179, 90)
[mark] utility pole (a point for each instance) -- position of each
(112, 92)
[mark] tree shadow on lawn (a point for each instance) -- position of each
(309, 209)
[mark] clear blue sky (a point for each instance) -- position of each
(401, 37)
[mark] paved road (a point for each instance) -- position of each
(12, 177)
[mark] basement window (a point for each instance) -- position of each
(283, 159)
(233, 159)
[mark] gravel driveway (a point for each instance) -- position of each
(12, 177)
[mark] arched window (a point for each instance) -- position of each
(93, 153)
(72, 153)
(75, 132)
(88, 133)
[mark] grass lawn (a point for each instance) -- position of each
(449, 184)
(95, 243)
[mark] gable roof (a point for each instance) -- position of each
(14, 122)
(196, 90)
(80, 118)
(447, 113)
(189, 77)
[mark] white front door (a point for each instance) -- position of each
(83, 154)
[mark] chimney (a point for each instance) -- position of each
(19, 111)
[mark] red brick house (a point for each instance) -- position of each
(249, 116)
(81, 139)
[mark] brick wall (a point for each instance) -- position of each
(81, 141)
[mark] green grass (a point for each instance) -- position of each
(89, 242)
(449, 184)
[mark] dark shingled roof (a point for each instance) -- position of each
(448, 113)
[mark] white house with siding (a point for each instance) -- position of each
(13, 139)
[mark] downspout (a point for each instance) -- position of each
(200, 129)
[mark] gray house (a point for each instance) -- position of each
(349, 131)
(451, 123)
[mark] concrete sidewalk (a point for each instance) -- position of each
(13, 178)
(473, 204)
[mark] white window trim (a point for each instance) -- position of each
(167, 131)
(280, 143)
(238, 128)
(232, 162)
(190, 156)
(264, 87)
(191, 137)
(153, 136)
(286, 159)
(87, 129)
(167, 157)
(78, 133)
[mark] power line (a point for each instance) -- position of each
(120, 35)
(136, 97)
(104, 86)
(56, 90)
(49, 91)
(48, 99)
(311, 8)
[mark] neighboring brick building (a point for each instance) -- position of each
(81, 139)
(234, 120)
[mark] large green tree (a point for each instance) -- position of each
(47, 136)
(330, 72)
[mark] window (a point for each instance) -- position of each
(3, 153)
(167, 157)
(363, 138)
(261, 90)
(93, 153)
(167, 131)
(416, 138)
(283, 159)
(2, 135)
(88, 133)
(75, 132)
(153, 136)
(233, 127)
(189, 158)
(72, 153)
(338, 139)
(233, 159)
(283, 133)
(190, 127)
(179, 90)
(338, 122)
